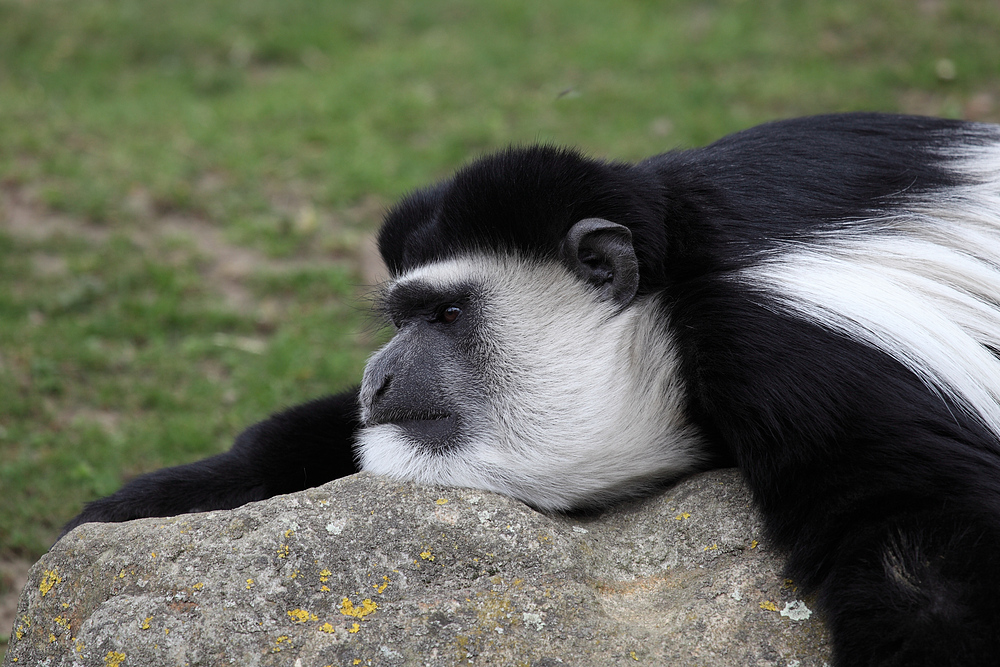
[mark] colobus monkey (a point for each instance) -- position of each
(816, 300)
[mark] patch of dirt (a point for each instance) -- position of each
(50, 265)
(22, 215)
(227, 266)
(371, 266)
(108, 420)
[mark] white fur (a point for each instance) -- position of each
(921, 285)
(585, 403)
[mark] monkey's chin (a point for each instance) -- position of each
(404, 451)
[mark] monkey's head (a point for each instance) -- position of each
(528, 359)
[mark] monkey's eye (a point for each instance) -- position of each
(447, 314)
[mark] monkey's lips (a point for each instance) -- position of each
(396, 416)
(434, 429)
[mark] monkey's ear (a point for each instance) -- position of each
(600, 252)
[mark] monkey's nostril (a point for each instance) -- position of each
(380, 392)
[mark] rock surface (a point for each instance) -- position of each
(367, 571)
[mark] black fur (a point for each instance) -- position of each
(885, 493)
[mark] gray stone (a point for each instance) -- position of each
(367, 571)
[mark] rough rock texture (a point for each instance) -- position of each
(366, 571)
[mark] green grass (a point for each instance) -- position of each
(279, 129)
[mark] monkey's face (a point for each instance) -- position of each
(518, 376)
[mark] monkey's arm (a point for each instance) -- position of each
(299, 448)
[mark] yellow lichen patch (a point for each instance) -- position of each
(145, 623)
(294, 575)
(326, 627)
(289, 533)
(52, 637)
(347, 608)
(353, 629)
(753, 544)
(441, 501)
(325, 589)
(283, 551)
(301, 616)
(121, 575)
(462, 644)
(200, 585)
(49, 579)
(493, 608)
(426, 555)
(324, 574)
(249, 584)
(682, 516)
(634, 656)
(152, 554)
(62, 621)
(114, 659)
(714, 547)
(79, 647)
(767, 605)
(385, 584)
(280, 643)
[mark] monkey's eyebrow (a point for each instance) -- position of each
(419, 296)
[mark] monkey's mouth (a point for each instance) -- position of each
(404, 417)
(435, 431)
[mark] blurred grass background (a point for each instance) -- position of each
(186, 187)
